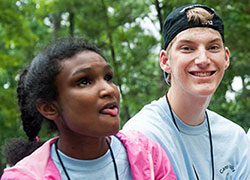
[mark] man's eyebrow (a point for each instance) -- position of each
(191, 41)
(215, 40)
(185, 41)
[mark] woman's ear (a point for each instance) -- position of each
(47, 109)
(164, 62)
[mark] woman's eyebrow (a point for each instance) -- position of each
(81, 70)
(88, 69)
(108, 67)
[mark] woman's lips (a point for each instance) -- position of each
(111, 109)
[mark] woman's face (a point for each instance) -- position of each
(88, 100)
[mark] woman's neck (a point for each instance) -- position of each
(190, 109)
(83, 148)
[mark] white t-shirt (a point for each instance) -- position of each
(101, 168)
(190, 147)
(248, 133)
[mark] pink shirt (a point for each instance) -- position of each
(148, 161)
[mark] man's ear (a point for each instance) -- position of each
(164, 62)
(47, 109)
(227, 57)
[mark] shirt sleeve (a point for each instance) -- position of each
(162, 167)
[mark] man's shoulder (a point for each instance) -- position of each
(149, 116)
(248, 133)
(155, 108)
(223, 124)
(217, 118)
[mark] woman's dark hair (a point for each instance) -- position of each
(37, 81)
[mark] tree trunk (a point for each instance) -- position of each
(162, 85)
(159, 15)
(244, 88)
(56, 24)
(71, 24)
(113, 55)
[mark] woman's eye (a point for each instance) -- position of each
(108, 77)
(84, 82)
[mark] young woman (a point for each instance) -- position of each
(70, 85)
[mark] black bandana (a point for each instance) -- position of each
(177, 21)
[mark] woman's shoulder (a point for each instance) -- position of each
(136, 141)
(32, 166)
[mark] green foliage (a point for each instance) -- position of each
(26, 26)
(236, 16)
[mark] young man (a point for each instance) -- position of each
(200, 143)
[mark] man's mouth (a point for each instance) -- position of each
(202, 74)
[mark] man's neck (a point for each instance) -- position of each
(190, 109)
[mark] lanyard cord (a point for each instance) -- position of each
(60, 160)
(210, 138)
(113, 158)
(211, 144)
(111, 152)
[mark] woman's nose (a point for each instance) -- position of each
(107, 89)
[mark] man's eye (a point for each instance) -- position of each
(186, 48)
(214, 47)
(108, 77)
(84, 82)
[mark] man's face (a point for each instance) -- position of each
(196, 60)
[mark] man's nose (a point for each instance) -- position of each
(202, 58)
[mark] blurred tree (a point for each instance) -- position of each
(123, 30)
(236, 16)
(16, 38)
